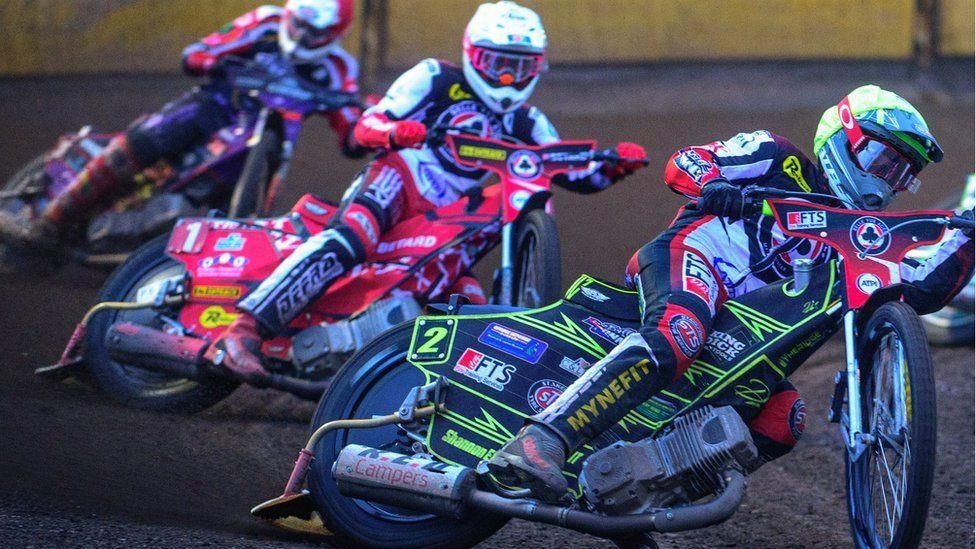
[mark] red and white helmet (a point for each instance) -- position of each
(504, 53)
(309, 28)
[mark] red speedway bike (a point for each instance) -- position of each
(416, 477)
(144, 344)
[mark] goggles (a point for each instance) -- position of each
(882, 160)
(507, 68)
(303, 30)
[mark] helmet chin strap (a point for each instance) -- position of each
(853, 130)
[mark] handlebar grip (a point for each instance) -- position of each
(960, 222)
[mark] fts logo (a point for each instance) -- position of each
(484, 369)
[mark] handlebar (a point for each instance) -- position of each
(437, 133)
(255, 77)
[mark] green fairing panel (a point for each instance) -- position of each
(505, 367)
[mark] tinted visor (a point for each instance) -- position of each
(881, 160)
(302, 30)
(502, 68)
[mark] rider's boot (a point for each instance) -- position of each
(300, 279)
(601, 397)
(111, 170)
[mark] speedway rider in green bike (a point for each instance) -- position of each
(871, 147)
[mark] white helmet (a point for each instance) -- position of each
(504, 53)
(309, 28)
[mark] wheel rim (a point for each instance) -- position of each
(382, 394)
(529, 276)
(883, 478)
(157, 383)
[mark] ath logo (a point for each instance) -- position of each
(693, 164)
(484, 369)
(806, 219)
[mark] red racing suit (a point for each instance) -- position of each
(193, 118)
(686, 274)
(403, 183)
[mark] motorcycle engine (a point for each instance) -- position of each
(312, 347)
(681, 465)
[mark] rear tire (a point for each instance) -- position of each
(250, 192)
(133, 386)
(374, 382)
(538, 278)
(898, 409)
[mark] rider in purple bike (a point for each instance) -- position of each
(304, 33)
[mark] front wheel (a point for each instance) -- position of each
(374, 382)
(890, 484)
(538, 278)
(251, 191)
(133, 386)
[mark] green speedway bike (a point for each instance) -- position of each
(417, 477)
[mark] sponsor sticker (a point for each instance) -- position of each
(698, 279)
(594, 294)
(870, 235)
(868, 283)
(233, 242)
(216, 292)
(225, 265)
(308, 285)
(543, 393)
(484, 153)
(576, 367)
(806, 219)
(525, 164)
(216, 316)
(419, 241)
(687, 334)
(514, 343)
(724, 346)
(484, 369)
(793, 168)
(798, 418)
(693, 164)
(607, 330)
(518, 199)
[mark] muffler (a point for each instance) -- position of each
(184, 356)
(410, 482)
(429, 486)
(155, 350)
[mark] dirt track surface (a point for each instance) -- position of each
(77, 470)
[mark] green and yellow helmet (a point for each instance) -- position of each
(872, 145)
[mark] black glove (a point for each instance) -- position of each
(968, 231)
(719, 197)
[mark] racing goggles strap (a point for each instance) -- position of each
(507, 68)
(847, 121)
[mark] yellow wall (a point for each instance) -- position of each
(77, 36)
(653, 30)
(958, 27)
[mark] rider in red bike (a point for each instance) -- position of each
(503, 56)
(305, 32)
(871, 147)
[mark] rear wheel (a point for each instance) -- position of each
(374, 382)
(538, 264)
(133, 386)
(32, 177)
(890, 484)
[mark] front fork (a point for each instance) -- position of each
(847, 387)
(506, 273)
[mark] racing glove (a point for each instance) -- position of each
(721, 198)
(632, 158)
(968, 214)
(408, 134)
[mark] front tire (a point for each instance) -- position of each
(31, 175)
(538, 278)
(133, 386)
(374, 382)
(889, 486)
(250, 193)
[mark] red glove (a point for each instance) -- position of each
(632, 157)
(408, 134)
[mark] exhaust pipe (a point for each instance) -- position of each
(156, 350)
(183, 356)
(447, 490)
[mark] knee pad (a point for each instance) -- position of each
(364, 225)
(679, 334)
(779, 425)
